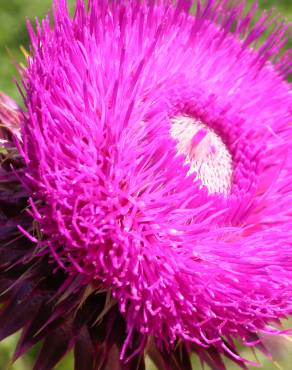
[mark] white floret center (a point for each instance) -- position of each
(205, 152)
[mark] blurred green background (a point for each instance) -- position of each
(12, 35)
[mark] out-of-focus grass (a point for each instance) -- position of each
(25, 362)
(12, 35)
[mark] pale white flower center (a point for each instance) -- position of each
(205, 151)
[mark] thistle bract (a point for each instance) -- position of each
(156, 163)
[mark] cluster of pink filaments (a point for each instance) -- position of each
(188, 251)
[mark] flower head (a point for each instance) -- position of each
(157, 163)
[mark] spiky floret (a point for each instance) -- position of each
(116, 205)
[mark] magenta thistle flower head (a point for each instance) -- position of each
(156, 172)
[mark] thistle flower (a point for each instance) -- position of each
(147, 208)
